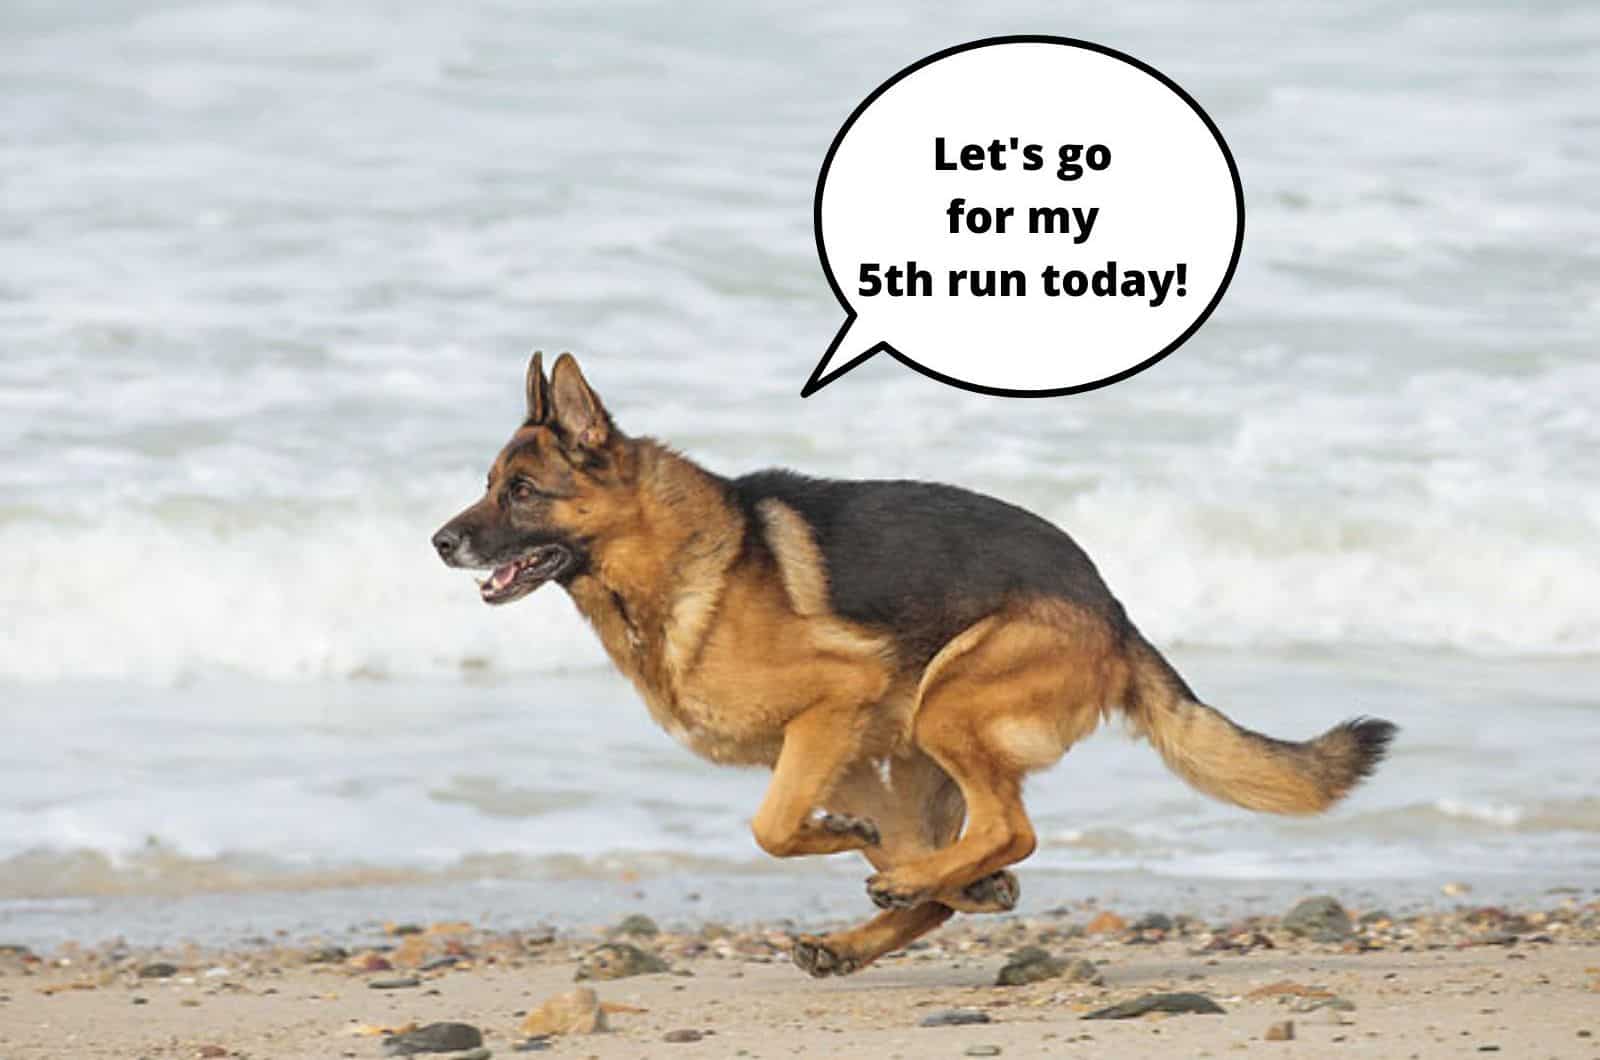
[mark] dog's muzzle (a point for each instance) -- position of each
(514, 580)
(510, 580)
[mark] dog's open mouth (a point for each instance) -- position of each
(514, 580)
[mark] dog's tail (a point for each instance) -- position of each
(1236, 764)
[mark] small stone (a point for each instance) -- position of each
(1153, 922)
(1280, 1032)
(1321, 919)
(1176, 1003)
(954, 1017)
(1107, 923)
(619, 960)
(1313, 1003)
(983, 1050)
(210, 1051)
(576, 1012)
(532, 1045)
(1032, 964)
(436, 963)
(1288, 988)
(327, 955)
(637, 925)
(687, 1034)
(401, 983)
(434, 1038)
(158, 970)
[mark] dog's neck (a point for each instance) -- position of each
(686, 531)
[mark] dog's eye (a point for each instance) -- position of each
(523, 490)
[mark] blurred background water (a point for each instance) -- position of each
(268, 278)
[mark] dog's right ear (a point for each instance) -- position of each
(538, 391)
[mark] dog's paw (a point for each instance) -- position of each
(817, 959)
(844, 824)
(888, 893)
(995, 893)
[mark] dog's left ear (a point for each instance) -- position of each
(579, 415)
(538, 391)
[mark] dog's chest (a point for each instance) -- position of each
(719, 733)
(708, 716)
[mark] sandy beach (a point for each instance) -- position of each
(1318, 981)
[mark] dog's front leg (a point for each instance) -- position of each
(817, 746)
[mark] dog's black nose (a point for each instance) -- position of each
(446, 541)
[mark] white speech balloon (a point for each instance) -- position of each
(1168, 194)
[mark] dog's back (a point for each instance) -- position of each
(924, 561)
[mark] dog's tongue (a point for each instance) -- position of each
(501, 577)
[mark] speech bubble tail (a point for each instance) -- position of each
(823, 374)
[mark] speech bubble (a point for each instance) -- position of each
(1025, 216)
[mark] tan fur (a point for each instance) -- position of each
(1233, 763)
(738, 653)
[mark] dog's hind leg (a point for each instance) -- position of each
(843, 952)
(918, 809)
(817, 747)
(1011, 696)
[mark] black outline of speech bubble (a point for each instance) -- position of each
(818, 380)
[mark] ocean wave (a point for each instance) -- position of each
(357, 594)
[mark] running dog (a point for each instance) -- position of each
(900, 654)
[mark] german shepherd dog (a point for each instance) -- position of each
(900, 654)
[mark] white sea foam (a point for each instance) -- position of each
(347, 590)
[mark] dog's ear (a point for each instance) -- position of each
(579, 415)
(538, 391)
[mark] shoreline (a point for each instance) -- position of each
(1369, 981)
(809, 892)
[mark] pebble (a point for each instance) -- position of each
(688, 1034)
(1033, 964)
(1321, 919)
(434, 1038)
(395, 984)
(1331, 1002)
(575, 1012)
(158, 970)
(619, 960)
(532, 1045)
(1280, 1032)
(638, 925)
(327, 955)
(209, 1050)
(983, 1050)
(954, 1017)
(1107, 923)
(1178, 1003)
(1153, 922)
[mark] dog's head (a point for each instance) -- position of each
(557, 486)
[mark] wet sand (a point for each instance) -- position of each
(1479, 980)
